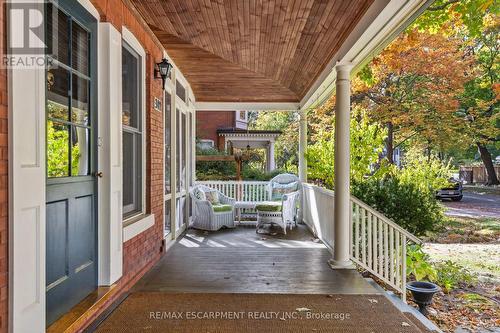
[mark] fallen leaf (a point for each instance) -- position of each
(405, 324)
(302, 309)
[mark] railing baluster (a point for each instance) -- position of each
(356, 231)
(386, 252)
(363, 236)
(398, 254)
(391, 251)
(350, 228)
(380, 248)
(375, 242)
(370, 247)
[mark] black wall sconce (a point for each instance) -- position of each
(163, 70)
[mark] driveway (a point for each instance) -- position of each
(475, 205)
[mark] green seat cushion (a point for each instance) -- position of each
(222, 208)
(269, 206)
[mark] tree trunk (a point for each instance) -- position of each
(389, 143)
(488, 164)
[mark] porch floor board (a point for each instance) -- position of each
(241, 261)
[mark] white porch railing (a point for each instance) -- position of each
(378, 244)
(240, 190)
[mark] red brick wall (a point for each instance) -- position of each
(4, 190)
(207, 123)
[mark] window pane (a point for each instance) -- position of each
(80, 151)
(167, 218)
(57, 34)
(80, 48)
(178, 150)
(130, 88)
(80, 103)
(168, 116)
(128, 172)
(57, 93)
(57, 150)
(184, 153)
(181, 212)
(180, 91)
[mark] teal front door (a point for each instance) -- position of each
(71, 231)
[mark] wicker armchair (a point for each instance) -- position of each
(208, 215)
(282, 210)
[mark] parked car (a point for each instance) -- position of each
(453, 191)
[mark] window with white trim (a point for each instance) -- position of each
(132, 123)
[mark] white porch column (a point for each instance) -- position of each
(272, 163)
(302, 146)
(341, 257)
(302, 158)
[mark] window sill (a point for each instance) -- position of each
(136, 225)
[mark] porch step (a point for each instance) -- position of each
(405, 308)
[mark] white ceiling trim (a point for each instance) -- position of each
(231, 106)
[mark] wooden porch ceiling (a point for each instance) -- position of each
(251, 50)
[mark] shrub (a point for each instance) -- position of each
(450, 275)
(418, 264)
(404, 202)
(249, 173)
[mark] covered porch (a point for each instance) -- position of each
(224, 55)
(233, 65)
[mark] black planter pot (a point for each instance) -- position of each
(422, 293)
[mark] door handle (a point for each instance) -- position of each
(98, 174)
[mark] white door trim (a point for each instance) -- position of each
(109, 78)
(26, 89)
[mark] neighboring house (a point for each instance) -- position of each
(226, 130)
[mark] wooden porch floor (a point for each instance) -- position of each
(241, 261)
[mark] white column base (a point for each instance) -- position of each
(334, 264)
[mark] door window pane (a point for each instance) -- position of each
(57, 149)
(58, 34)
(80, 151)
(80, 102)
(58, 93)
(80, 49)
